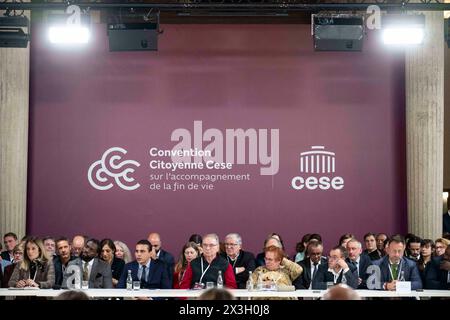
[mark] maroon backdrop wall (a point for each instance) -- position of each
(85, 101)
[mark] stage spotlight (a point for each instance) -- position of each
(338, 32)
(69, 29)
(403, 29)
(11, 32)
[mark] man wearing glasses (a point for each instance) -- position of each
(206, 268)
(241, 261)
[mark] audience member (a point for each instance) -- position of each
(107, 254)
(97, 272)
(337, 271)
(206, 268)
(216, 294)
(150, 272)
(341, 292)
(395, 267)
(161, 254)
(10, 241)
(241, 261)
(61, 260)
(310, 265)
(36, 269)
(190, 252)
(122, 251)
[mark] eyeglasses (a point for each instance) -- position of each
(231, 244)
(208, 245)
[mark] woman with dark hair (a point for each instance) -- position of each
(426, 255)
(300, 248)
(36, 269)
(189, 252)
(107, 254)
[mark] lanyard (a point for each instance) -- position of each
(203, 272)
(398, 271)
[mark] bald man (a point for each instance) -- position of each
(341, 292)
(158, 253)
(78, 243)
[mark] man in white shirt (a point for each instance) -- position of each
(359, 260)
(97, 272)
(337, 271)
(310, 264)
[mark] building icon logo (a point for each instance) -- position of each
(318, 164)
(317, 161)
(111, 169)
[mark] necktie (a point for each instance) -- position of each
(86, 272)
(357, 268)
(315, 270)
(394, 268)
(143, 282)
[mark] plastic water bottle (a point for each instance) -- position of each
(402, 276)
(220, 280)
(260, 284)
(129, 281)
(250, 283)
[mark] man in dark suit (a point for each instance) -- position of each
(166, 257)
(241, 261)
(61, 260)
(337, 271)
(92, 269)
(10, 241)
(446, 219)
(313, 260)
(152, 273)
(359, 260)
(395, 267)
(371, 247)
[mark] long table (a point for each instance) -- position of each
(239, 293)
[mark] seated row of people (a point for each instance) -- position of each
(199, 264)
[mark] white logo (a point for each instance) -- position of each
(110, 166)
(317, 161)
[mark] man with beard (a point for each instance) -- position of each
(92, 269)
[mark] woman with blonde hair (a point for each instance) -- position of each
(122, 251)
(36, 269)
(189, 252)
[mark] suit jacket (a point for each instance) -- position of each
(117, 266)
(304, 281)
(59, 271)
(364, 263)
(245, 259)
(435, 278)
(446, 223)
(45, 275)
(7, 274)
(374, 255)
(100, 276)
(5, 256)
(409, 268)
(169, 261)
(157, 275)
(323, 276)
